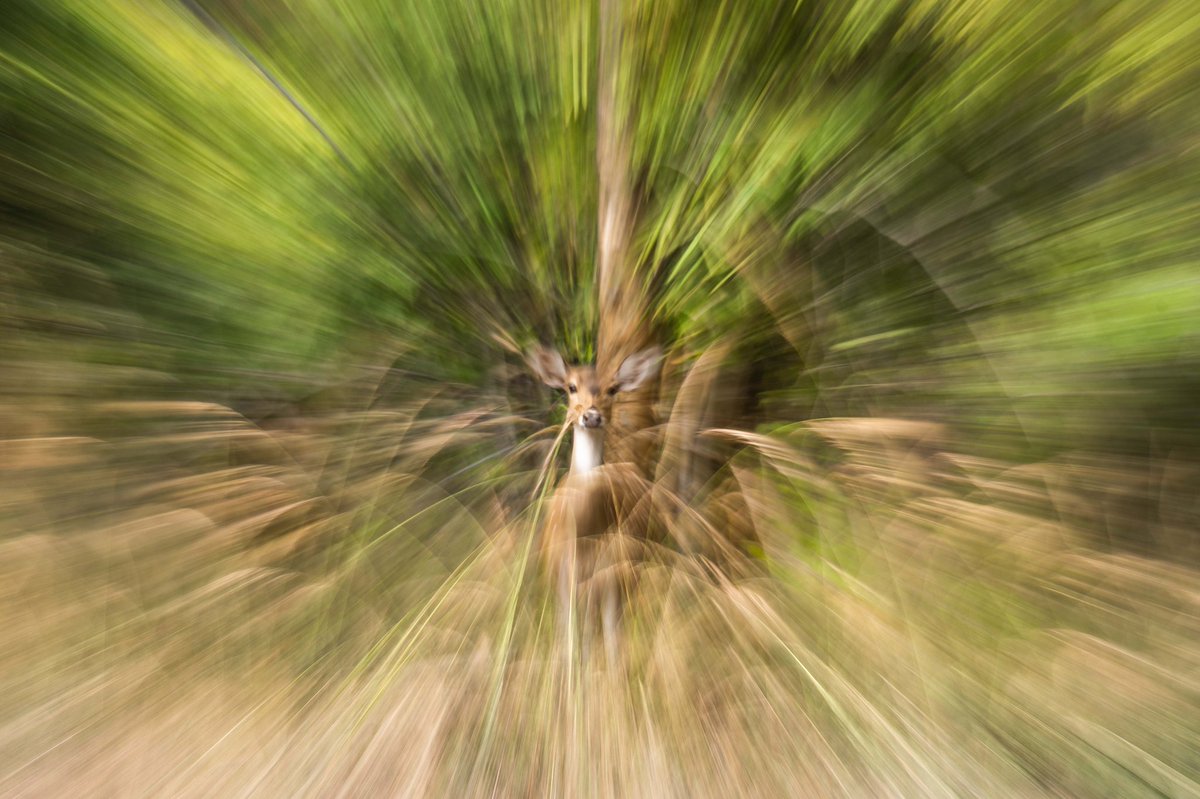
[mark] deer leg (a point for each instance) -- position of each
(610, 621)
(567, 591)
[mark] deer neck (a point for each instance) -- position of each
(587, 452)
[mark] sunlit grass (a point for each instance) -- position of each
(911, 622)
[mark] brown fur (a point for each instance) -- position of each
(596, 521)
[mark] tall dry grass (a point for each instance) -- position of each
(336, 602)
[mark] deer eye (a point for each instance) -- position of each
(571, 388)
(612, 392)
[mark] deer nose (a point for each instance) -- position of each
(592, 418)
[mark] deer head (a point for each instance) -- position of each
(590, 396)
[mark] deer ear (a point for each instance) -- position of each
(548, 365)
(638, 368)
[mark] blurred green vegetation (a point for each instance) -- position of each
(979, 211)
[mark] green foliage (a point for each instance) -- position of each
(991, 202)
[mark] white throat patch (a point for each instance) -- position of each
(587, 451)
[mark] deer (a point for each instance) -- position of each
(590, 508)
